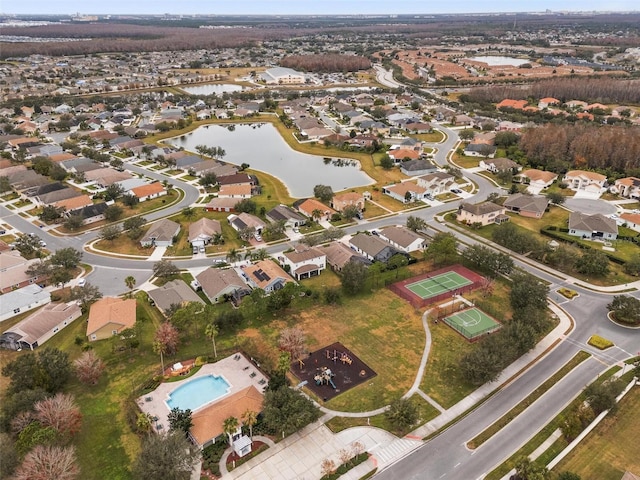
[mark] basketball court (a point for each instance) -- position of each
(472, 323)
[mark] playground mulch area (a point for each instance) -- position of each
(346, 368)
(438, 285)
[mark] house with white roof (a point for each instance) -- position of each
(22, 300)
(282, 76)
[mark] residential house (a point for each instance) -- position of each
(342, 200)
(304, 261)
(314, 209)
(266, 275)
(202, 232)
(56, 196)
(372, 247)
(509, 103)
(175, 292)
(40, 326)
(537, 179)
(74, 203)
(338, 255)
(628, 187)
(91, 213)
(148, 191)
(584, 180)
(246, 221)
(220, 284)
(403, 239)
(400, 154)
(405, 192)
(13, 272)
(160, 234)
(481, 213)
(413, 168)
(221, 204)
(497, 165)
(548, 101)
(532, 206)
(283, 213)
(110, 316)
(480, 150)
(592, 226)
(235, 191)
(632, 220)
(22, 300)
(436, 183)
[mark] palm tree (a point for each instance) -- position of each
(233, 255)
(211, 331)
(229, 426)
(250, 418)
(316, 214)
(130, 282)
(159, 347)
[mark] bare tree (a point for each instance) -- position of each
(60, 412)
(344, 455)
(328, 466)
(89, 367)
(292, 340)
(48, 463)
(357, 448)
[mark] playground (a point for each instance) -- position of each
(437, 285)
(472, 323)
(331, 370)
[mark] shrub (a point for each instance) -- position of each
(200, 361)
(567, 293)
(600, 342)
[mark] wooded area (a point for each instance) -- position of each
(562, 147)
(591, 90)
(326, 63)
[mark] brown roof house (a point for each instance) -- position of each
(40, 326)
(537, 179)
(405, 192)
(203, 231)
(627, 187)
(310, 206)
(532, 206)
(283, 213)
(110, 316)
(592, 226)
(342, 200)
(220, 284)
(304, 261)
(338, 255)
(584, 180)
(161, 234)
(208, 422)
(266, 275)
(483, 213)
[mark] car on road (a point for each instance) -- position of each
(456, 190)
(43, 243)
(82, 282)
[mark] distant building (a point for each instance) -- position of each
(282, 76)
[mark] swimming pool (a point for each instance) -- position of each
(198, 392)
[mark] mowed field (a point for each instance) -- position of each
(614, 440)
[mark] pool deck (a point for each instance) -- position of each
(235, 369)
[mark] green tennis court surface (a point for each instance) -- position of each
(433, 286)
(472, 323)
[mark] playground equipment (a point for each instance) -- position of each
(323, 377)
(336, 355)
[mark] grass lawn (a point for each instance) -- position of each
(372, 211)
(465, 162)
(434, 137)
(425, 413)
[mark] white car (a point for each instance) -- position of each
(258, 237)
(82, 282)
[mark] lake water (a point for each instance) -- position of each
(212, 89)
(261, 146)
(498, 60)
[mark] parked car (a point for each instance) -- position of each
(82, 282)
(195, 250)
(456, 190)
(258, 237)
(201, 248)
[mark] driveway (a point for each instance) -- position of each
(590, 206)
(587, 194)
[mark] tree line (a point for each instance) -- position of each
(588, 89)
(562, 147)
(326, 63)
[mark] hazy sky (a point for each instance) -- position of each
(302, 7)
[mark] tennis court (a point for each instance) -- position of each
(472, 323)
(439, 284)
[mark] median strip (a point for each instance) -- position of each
(525, 403)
